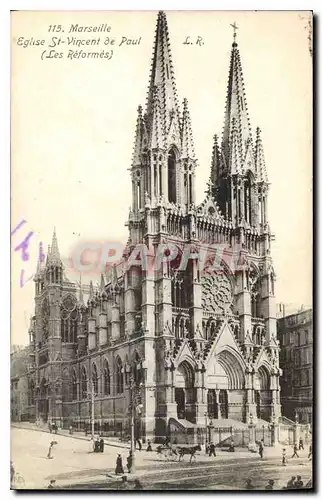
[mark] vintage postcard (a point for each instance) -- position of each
(161, 243)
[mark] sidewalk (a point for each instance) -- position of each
(269, 452)
(64, 432)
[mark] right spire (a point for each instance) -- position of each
(236, 112)
(238, 178)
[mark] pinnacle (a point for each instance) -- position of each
(53, 255)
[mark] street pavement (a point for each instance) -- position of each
(74, 466)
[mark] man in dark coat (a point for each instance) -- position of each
(295, 454)
(101, 445)
(291, 483)
(212, 450)
(301, 444)
(299, 483)
(261, 449)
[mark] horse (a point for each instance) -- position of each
(188, 451)
(166, 451)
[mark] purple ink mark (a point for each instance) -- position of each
(24, 246)
(17, 227)
(22, 283)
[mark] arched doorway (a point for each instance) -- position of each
(185, 393)
(172, 176)
(263, 393)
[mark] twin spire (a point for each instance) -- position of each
(237, 155)
(162, 124)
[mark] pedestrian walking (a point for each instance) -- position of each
(301, 444)
(139, 444)
(149, 448)
(119, 467)
(129, 461)
(284, 460)
(295, 454)
(212, 450)
(70, 430)
(270, 485)
(101, 445)
(231, 446)
(249, 485)
(51, 485)
(299, 483)
(261, 449)
(49, 454)
(138, 485)
(207, 446)
(291, 483)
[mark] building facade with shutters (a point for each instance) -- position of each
(295, 333)
(191, 339)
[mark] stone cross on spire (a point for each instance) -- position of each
(235, 28)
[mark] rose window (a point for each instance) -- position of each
(217, 293)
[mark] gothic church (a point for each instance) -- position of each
(191, 344)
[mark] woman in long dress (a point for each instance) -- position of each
(119, 466)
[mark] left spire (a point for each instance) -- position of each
(162, 88)
(54, 255)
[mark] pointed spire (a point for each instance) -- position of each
(187, 136)
(91, 293)
(236, 108)
(102, 284)
(81, 298)
(162, 85)
(114, 276)
(136, 157)
(54, 257)
(260, 165)
(48, 255)
(215, 165)
(235, 153)
(40, 262)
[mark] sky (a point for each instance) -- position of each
(73, 125)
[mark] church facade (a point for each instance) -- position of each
(193, 336)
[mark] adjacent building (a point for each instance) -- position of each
(295, 333)
(177, 340)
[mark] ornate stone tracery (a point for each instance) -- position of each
(217, 293)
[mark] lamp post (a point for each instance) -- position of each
(134, 393)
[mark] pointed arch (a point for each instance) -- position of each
(264, 378)
(84, 390)
(95, 379)
(106, 379)
(233, 368)
(74, 386)
(119, 376)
